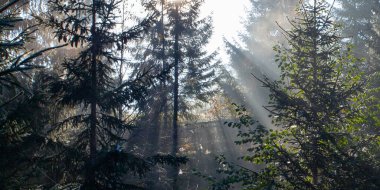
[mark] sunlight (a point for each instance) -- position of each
(226, 14)
(227, 21)
(174, 1)
(189, 94)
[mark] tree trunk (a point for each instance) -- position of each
(120, 108)
(91, 183)
(314, 167)
(164, 90)
(175, 95)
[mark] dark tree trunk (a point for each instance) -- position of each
(93, 118)
(175, 98)
(120, 108)
(164, 90)
(314, 167)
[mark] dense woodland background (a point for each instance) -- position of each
(124, 94)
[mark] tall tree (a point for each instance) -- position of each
(193, 76)
(96, 137)
(178, 43)
(195, 65)
(321, 140)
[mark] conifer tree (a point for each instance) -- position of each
(94, 152)
(193, 76)
(321, 140)
(196, 67)
(177, 45)
(23, 104)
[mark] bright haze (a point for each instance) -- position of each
(227, 18)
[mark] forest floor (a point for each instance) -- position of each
(201, 143)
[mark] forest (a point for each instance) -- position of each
(129, 94)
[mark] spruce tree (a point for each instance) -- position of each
(23, 101)
(177, 45)
(94, 153)
(196, 68)
(321, 139)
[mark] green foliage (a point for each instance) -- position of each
(197, 75)
(23, 100)
(196, 65)
(93, 151)
(321, 139)
(252, 53)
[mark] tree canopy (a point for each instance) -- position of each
(105, 94)
(321, 139)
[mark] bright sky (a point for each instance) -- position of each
(227, 16)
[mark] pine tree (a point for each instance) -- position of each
(196, 67)
(94, 153)
(321, 140)
(177, 45)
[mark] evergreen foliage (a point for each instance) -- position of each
(196, 66)
(194, 76)
(22, 100)
(94, 154)
(361, 23)
(71, 128)
(176, 46)
(319, 108)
